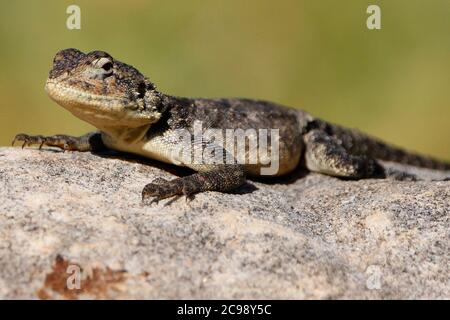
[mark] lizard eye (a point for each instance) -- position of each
(107, 66)
(104, 63)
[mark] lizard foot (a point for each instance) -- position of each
(29, 140)
(61, 141)
(161, 189)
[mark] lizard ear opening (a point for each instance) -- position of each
(142, 88)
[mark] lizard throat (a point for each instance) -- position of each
(99, 110)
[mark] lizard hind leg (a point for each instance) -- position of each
(325, 154)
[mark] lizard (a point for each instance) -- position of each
(132, 116)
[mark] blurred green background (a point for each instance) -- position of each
(316, 55)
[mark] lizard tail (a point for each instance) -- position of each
(357, 142)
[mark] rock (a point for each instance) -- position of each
(72, 226)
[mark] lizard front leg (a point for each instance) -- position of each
(215, 175)
(89, 142)
(222, 178)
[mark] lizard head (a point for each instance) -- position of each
(102, 91)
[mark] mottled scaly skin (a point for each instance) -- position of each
(132, 116)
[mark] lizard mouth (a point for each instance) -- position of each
(99, 109)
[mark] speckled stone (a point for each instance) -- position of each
(313, 238)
